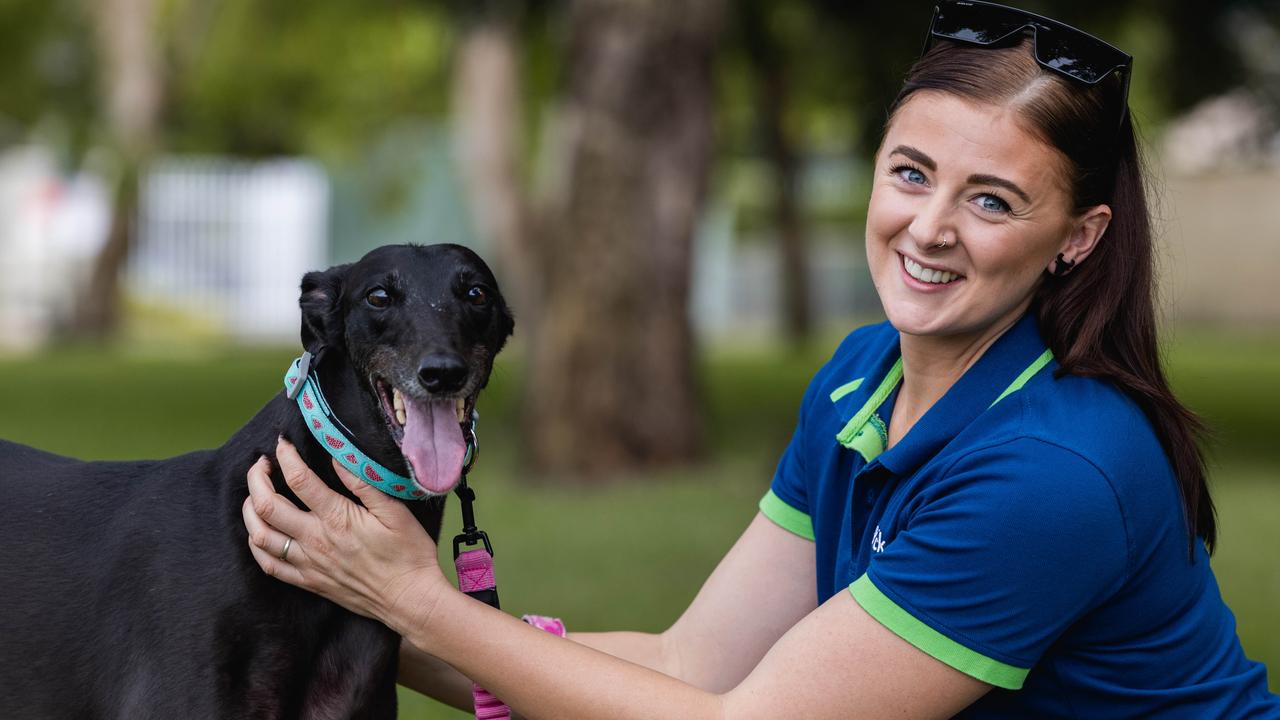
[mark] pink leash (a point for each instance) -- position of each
(475, 577)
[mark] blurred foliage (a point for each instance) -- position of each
(272, 80)
(48, 87)
(261, 77)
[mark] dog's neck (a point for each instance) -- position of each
(349, 399)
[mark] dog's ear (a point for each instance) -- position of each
(506, 322)
(321, 303)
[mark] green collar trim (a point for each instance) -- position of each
(872, 439)
(845, 389)
(1045, 358)
(853, 436)
(847, 434)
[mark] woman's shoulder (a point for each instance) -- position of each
(1095, 421)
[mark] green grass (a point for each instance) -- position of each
(630, 554)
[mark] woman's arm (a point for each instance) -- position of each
(837, 662)
(762, 587)
(434, 678)
(766, 577)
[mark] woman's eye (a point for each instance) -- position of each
(910, 175)
(477, 296)
(992, 204)
(378, 298)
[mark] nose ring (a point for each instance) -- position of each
(942, 243)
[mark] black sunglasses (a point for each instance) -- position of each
(1057, 47)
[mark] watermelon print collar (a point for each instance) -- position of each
(300, 385)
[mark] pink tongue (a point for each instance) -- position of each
(433, 444)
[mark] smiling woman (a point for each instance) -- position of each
(993, 500)
(955, 244)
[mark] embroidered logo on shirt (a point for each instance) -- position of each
(877, 541)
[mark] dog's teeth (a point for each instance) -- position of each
(400, 416)
(462, 409)
(397, 402)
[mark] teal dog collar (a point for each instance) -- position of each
(301, 387)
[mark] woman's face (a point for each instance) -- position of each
(970, 175)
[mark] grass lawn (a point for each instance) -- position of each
(631, 553)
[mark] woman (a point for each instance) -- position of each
(1000, 474)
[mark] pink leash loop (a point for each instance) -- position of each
(475, 578)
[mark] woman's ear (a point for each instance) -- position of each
(322, 321)
(1086, 232)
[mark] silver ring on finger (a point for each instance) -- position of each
(284, 554)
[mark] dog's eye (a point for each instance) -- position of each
(378, 298)
(477, 296)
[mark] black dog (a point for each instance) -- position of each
(127, 589)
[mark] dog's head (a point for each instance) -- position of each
(419, 326)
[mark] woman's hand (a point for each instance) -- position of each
(368, 559)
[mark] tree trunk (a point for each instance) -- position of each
(794, 268)
(132, 89)
(770, 67)
(612, 383)
(599, 262)
(487, 125)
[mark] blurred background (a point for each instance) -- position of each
(672, 195)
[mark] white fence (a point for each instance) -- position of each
(229, 241)
(51, 228)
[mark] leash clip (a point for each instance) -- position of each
(470, 535)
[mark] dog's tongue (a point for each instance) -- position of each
(433, 443)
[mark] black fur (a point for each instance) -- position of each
(127, 589)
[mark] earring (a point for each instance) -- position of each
(1062, 266)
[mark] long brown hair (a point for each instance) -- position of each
(1100, 319)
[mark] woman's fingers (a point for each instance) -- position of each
(275, 510)
(277, 568)
(358, 557)
(272, 541)
(386, 509)
(268, 545)
(309, 487)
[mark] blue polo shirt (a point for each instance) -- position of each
(1027, 531)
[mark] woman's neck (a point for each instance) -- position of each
(931, 365)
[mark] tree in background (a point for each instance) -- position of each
(132, 87)
(770, 59)
(607, 243)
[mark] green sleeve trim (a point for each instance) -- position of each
(1026, 375)
(851, 428)
(845, 389)
(785, 516)
(906, 626)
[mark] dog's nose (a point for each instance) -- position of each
(442, 372)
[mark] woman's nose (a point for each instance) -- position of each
(933, 225)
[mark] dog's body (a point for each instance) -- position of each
(127, 587)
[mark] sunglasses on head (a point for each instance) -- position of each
(1057, 47)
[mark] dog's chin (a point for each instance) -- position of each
(430, 433)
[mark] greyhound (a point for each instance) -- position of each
(127, 589)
